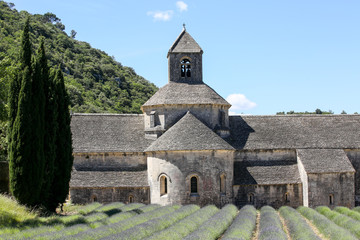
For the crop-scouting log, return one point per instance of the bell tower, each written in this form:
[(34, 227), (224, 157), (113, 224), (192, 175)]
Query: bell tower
[(185, 60)]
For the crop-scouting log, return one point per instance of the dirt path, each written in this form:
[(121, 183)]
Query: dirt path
[(316, 231), (284, 225), (256, 232)]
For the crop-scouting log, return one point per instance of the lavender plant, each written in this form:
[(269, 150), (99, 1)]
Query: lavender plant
[(148, 228), (342, 220), (123, 225), (297, 226), (185, 226), (270, 225), (89, 208), (350, 213), (216, 225), (327, 227), (243, 225)]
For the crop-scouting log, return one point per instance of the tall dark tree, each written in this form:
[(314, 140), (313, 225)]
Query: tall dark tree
[(24, 172), (46, 120), (63, 157)]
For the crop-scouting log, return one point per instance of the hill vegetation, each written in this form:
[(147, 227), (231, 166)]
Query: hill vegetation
[(95, 81)]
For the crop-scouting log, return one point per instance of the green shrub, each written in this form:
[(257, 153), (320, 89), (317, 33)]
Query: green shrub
[(216, 225), (327, 227), (243, 225), (296, 224), (186, 225)]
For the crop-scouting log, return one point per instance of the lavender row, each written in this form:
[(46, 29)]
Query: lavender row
[(342, 220), (123, 225), (296, 224), (327, 227), (243, 225), (185, 226), (216, 225), (270, 225), (148, 228), (350, 213)]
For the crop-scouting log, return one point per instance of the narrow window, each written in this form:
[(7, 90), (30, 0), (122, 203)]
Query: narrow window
[(93, 198), (185, 68), (163, 185), (222, 184), (331, 199), (222, 118), (131, 199), (152, 119), (251, 198), (287, 197), (194, 184)]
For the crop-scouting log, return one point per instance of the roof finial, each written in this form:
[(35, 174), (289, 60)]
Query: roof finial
[(184, 28)]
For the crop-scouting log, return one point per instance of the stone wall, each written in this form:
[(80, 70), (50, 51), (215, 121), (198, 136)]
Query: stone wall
[(339, 185), (4, 177), (180, 166), (167, 116), (272, 195), (354, 157), (174, 67), (109, 161), (106, 195)]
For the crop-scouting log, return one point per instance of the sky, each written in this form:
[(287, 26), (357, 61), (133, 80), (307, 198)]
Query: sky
[(262, 56)]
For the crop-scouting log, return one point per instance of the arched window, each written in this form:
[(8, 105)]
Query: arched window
[(93, 198), (331, 199), (251, 198), (185, 68), (287, 197), (131, 198), (193, 184), (163, 185), (222, 184)]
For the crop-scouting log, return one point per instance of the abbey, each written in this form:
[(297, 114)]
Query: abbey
[(186, 149)]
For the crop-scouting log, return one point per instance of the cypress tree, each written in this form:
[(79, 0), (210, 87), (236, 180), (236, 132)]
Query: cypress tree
[(24, 180), (63, 158), (25, 52), (44, 122)]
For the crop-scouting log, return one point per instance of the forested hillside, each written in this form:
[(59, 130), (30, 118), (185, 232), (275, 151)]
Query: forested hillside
[(94, 80)]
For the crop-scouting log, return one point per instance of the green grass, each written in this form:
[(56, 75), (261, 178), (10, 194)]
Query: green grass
[(12, 214)]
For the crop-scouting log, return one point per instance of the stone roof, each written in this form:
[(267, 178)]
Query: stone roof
[(108, 133), (189, 133), (108, 179), (185, 93), (325, 160), (266, 172), (185, 43), (295, 132)]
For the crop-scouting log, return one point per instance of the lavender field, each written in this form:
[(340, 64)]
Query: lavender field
[(139, 221)]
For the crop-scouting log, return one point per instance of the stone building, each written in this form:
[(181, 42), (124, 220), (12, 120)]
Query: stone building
[(185, 148)]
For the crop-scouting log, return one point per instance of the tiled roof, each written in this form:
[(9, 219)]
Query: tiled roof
[(185, 44), (189, 133), (325, 160), (108, 133), (295, 132), (266, 172), (185, 93), (108, 179)]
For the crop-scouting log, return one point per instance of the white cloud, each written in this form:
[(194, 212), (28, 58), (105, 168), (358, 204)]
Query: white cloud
[(239, 102), (161, 15), (181, 6)]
